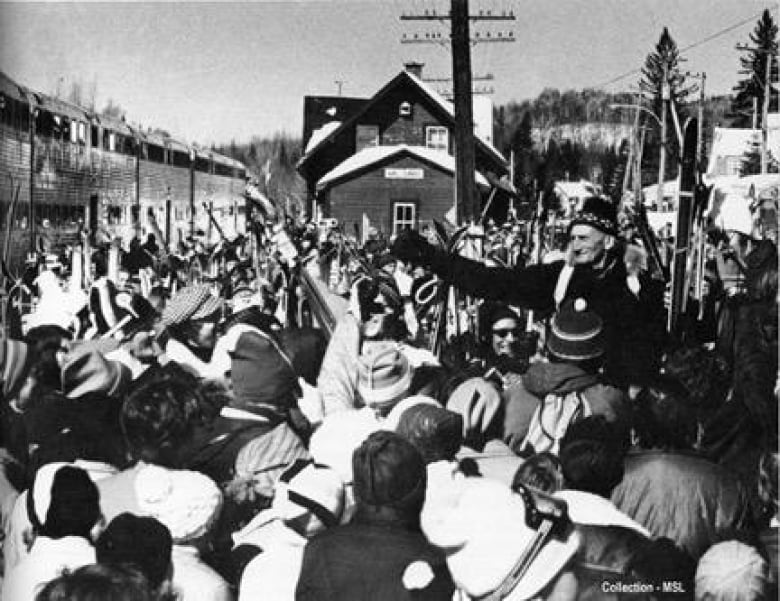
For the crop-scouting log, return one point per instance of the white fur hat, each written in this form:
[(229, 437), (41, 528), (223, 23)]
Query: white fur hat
[(333, 443), (485, 533)]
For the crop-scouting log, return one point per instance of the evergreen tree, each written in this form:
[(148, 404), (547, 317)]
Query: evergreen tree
[(753, 69), (525, 159), (665, 62), (665, 58)]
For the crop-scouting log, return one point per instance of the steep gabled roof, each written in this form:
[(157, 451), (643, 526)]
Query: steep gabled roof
[(446, 110), (376, 154)]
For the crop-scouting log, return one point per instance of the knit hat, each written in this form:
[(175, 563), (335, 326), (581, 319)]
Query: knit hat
[(190, 303), (389, 472), (90, 372), (14, 365), (142, 542), (434, 431), (598, 213), (309, 487), (733, 571), (187, 502), (262, 374), (576, 333), (484, 535), (384, 375)]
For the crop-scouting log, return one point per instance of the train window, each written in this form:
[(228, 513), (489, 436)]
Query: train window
[(181, 159), (156, 153), (44, 124)]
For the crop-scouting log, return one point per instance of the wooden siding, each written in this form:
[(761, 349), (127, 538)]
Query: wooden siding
[(373, 194)]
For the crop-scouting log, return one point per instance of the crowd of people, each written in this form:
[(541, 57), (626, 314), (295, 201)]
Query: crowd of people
[(170, 433)]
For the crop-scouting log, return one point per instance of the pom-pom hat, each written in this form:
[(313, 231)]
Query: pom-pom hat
[(576, 332)]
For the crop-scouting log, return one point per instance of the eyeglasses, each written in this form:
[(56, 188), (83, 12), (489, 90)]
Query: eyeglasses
[(504, 332)]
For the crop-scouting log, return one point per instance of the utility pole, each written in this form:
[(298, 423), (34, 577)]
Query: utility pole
[(665, 95), (467, 207), (340, 83), (460, 41)]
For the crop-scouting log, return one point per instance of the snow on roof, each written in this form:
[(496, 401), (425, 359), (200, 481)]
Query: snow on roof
[(374, 154), (319, 134), (447, 106)]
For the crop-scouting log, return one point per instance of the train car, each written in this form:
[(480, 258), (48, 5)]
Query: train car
[(76, 171)]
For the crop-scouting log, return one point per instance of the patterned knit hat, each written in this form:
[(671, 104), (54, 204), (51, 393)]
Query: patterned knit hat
[(384, 375), (576, 333), (187, 502), (598, 213), (190, 303), (14, 365)]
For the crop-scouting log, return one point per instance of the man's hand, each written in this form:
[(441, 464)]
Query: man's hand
[(411, 247)]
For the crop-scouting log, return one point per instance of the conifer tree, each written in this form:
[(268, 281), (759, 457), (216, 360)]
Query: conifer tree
[(763, 43), (666, 57)]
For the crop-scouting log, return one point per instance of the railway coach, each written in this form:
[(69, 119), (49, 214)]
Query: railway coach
[(65, 169)]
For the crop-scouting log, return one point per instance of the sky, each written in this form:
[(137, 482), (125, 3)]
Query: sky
[(220, 71)]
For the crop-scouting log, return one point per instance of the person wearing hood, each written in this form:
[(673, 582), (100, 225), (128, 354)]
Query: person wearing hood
[(627, 299), (575, 349)]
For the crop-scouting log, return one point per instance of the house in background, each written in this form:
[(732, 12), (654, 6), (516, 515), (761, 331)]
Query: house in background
[(729, 146), (388, 161)]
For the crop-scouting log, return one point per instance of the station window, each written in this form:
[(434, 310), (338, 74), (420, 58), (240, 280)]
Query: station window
[(95, 137), (437, 137), (404, 216), (366, 136), (82, 132)]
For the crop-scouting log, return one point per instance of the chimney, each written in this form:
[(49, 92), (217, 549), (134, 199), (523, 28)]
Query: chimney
[(414, 68)]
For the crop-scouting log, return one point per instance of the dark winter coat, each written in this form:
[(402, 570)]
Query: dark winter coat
[(684, 497), (541, 379), (366, 559), (633, 324)]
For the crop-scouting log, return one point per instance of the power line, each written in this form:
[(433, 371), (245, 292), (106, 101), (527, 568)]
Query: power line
[(696, 44)]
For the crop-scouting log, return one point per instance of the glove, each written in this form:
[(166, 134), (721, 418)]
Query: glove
[(409, 246)]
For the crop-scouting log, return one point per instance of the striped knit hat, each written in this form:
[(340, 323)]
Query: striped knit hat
[(14, 365), (576, 333)]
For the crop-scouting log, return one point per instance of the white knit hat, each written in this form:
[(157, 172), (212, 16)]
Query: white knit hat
[(485, 533), (187, 502), (333, 443)]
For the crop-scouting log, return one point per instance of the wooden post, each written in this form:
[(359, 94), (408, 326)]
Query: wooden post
[(466, 201)]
